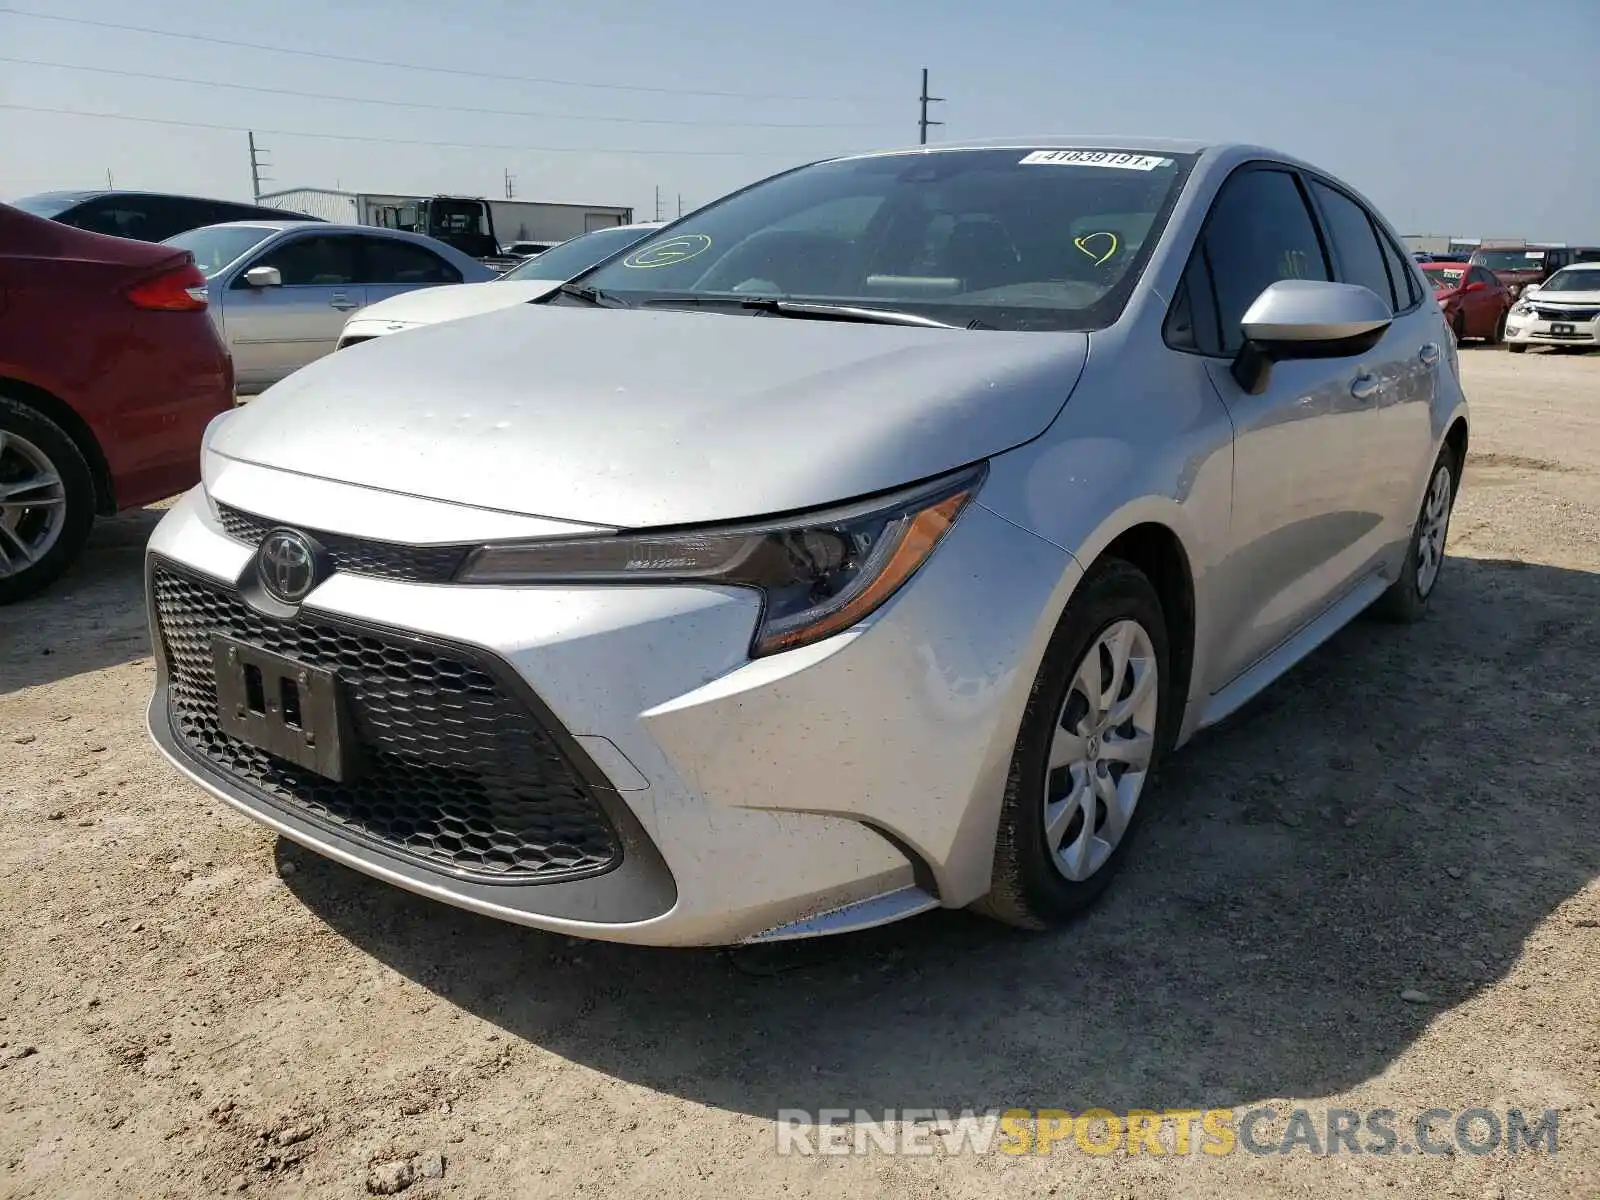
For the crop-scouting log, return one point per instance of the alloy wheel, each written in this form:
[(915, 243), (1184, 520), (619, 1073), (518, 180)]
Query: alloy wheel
[(1101, 749), (33, 504), (1432, 529)]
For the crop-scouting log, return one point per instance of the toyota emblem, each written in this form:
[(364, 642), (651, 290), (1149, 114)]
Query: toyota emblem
[(286, 565)]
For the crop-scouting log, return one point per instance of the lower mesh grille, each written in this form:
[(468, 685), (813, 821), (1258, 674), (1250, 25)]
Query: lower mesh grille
[(457, 773)]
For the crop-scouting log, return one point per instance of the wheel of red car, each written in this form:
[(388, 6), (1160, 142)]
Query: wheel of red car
[(1499, 334), (1458, 326), (46, 500)]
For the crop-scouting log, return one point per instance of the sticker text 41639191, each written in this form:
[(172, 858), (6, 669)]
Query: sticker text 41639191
[(1096, 158)]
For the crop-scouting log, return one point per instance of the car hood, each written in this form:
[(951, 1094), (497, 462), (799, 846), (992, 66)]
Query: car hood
[(429, 305), (637, 418), (1583, 299)]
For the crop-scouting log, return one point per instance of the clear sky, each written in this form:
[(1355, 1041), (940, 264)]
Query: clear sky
[(1454, 116)]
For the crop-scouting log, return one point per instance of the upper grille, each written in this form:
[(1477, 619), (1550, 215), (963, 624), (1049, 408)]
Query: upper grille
[(358, 556), (1576, 315), (457, 773)]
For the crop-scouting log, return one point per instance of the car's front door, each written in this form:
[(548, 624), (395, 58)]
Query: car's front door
[(273, 331), (1305, 505)]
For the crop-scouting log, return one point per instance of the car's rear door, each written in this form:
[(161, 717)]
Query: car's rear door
[(1304, 492), (389, 266), (275, 330), (1404, 363)]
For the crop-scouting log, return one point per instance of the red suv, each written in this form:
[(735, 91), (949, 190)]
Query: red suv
[(1475, 302), (110, 370)]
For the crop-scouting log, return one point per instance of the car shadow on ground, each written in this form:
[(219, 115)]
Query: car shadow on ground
[(90, 618), (1398, 813)]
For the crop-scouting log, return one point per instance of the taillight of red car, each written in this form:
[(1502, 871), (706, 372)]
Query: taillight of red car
[(180, 289)]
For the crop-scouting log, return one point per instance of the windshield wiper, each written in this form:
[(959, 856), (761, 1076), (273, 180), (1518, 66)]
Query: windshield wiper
[(591, 295), (809, 310)]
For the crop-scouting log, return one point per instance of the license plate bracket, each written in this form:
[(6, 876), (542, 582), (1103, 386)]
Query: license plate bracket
[(1563, 329), (288, 708)]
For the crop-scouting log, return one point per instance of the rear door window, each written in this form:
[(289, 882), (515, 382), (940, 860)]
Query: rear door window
[(1355, 245), (391, 261)]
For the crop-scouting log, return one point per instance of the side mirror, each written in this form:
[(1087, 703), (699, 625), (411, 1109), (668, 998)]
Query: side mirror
[(1307, 318), (1474, 286), (263, 277)]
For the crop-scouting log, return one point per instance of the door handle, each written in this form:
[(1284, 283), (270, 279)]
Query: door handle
[(1365, 387), (1429, 354), (342, 301)]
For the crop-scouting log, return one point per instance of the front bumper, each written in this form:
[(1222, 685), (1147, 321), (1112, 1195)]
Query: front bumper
[(840, 784), (1541, 328)]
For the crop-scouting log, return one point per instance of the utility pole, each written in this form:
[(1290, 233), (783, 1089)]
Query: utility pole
[(923, 123), (511, 185), (256, 163), (680, 204), (111, 184), (658, 202)]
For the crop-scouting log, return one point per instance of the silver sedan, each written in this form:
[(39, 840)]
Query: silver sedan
[(858, 545), (280, 291)]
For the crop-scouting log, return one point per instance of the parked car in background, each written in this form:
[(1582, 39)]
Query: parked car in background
[(857, 545), (1474, 301), (536, 277), (281, 290), (143, 216), (1562, 311), (528, 249), (109, 373), (1529, 266)]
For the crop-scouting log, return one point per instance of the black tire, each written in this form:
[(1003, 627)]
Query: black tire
[(1517, 347), (1498, 336), (1458, 326), (29, 424), (1406, 600), (1026, 889)]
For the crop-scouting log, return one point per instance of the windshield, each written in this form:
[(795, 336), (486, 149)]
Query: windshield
[(215, 246), (1573, 279), (1443, 278), (1510, 260), (47, 204), (578, 254), (1008, 239)]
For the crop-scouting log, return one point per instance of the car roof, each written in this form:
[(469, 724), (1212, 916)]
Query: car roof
[(97, 193)]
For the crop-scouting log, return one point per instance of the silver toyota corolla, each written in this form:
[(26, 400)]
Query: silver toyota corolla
[(854, 546)]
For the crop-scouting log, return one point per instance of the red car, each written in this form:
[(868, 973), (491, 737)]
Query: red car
[(110, 370), (1475, 302)]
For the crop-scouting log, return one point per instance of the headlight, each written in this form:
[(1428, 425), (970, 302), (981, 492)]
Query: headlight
[(818, 574), (1521, 308)]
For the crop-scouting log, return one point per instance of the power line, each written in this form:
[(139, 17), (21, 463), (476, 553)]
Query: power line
[(494, 112), (412, 66), (383, 141)]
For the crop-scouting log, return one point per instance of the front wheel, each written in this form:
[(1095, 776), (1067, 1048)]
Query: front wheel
[(1517, 347), (1407, 597), (46, 500), (1091, 736), (1499, 334)]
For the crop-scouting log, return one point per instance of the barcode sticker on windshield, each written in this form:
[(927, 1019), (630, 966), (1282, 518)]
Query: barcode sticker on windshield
[(1096, 158)]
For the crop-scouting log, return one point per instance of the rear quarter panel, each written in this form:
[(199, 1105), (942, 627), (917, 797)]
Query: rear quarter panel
[(144, 383)]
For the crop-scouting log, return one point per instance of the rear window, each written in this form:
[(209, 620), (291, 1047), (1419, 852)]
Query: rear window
[(1019, 238), (1510, 260), (48, 204)]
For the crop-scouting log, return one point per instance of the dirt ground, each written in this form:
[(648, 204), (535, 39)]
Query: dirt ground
[(189, 1007)]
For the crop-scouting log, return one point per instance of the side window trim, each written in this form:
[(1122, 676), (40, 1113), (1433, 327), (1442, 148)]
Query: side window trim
[(1199, 246)]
